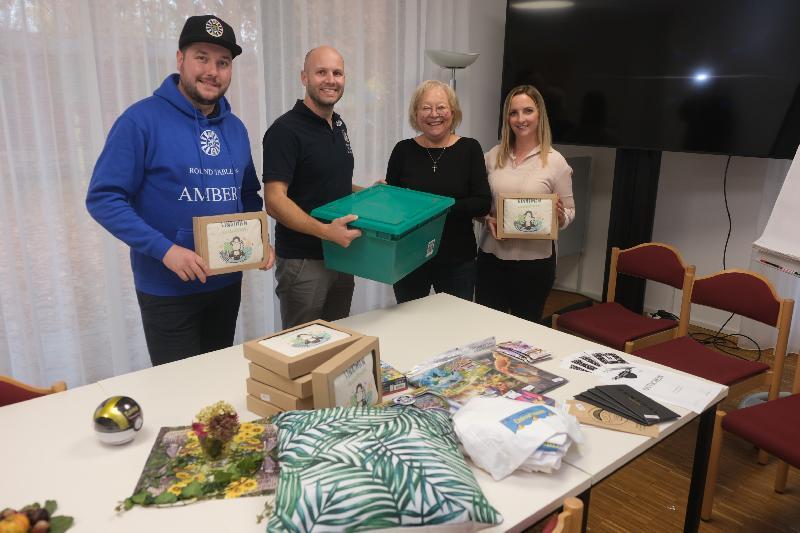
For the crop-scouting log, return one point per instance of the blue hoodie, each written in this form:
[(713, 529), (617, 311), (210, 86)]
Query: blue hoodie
[(164, 162)]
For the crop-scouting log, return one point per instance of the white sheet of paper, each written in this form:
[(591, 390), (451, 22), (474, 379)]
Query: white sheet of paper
[(234, 242), (663, 386), (298, 341)]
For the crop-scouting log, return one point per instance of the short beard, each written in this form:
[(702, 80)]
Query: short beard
[(194, 95), (323, 105)]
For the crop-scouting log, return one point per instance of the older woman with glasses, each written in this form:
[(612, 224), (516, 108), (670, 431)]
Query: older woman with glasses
[(439, 161)]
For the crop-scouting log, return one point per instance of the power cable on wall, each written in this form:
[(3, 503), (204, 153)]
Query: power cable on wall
[(717, 340)]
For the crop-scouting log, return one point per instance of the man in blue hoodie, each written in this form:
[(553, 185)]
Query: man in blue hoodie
[(178, 154)]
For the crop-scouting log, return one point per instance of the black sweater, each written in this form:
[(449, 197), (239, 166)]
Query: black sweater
[(460, 174)]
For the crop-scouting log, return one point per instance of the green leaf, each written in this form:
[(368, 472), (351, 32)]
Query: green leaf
[(59, 524), (50, 506), (139, 498), (192, 490), (165, 497), (249, 465), (223, 477), (233, 470), (128, 504)]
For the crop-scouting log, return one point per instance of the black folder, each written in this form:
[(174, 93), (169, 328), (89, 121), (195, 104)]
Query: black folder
[(627, 402)]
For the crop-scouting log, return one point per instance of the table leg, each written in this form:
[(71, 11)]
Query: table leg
[(584, 497), (702, 447)]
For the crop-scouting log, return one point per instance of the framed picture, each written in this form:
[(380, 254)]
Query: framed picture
[(351, 378), (527, 216), (231, 243), (299, 350)]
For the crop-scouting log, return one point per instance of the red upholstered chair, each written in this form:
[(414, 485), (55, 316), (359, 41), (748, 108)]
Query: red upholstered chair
[(569, 520), (744, 293), (773, 426), (612, 324), (13, 391)]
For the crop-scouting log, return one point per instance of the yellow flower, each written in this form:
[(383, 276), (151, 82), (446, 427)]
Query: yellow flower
[(239, 487), (177, 488), (182, 475)]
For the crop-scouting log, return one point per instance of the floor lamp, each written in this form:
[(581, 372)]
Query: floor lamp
[(451, 60)]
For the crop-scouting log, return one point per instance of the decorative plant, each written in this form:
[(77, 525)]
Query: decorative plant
[(215, 426)]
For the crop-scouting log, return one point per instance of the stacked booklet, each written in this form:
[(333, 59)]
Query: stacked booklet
[(627, 402)]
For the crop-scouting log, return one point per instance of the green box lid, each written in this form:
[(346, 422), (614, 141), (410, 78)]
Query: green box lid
[(386, 209)]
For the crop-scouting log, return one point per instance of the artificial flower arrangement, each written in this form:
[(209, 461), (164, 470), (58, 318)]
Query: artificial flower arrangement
[(215, 427), (215, 457)]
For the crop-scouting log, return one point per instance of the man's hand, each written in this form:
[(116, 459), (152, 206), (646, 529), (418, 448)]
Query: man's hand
[(185, 263), (338, 232), (270, 254)]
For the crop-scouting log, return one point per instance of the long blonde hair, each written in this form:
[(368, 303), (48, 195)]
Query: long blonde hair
[(507, 137)]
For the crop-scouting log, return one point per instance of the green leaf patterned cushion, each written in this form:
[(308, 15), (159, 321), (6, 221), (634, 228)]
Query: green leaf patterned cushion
[(356, 469)]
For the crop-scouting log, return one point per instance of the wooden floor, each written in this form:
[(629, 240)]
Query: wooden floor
[(649, 494)]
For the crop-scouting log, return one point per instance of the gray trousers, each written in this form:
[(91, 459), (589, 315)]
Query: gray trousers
[(308, 291)]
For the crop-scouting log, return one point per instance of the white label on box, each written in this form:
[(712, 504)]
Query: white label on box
[(298, 341), (265, 397), (431, 247), (235, 242), (355, 387), (527, 215)]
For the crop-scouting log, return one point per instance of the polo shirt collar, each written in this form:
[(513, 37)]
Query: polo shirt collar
[(303, 109)]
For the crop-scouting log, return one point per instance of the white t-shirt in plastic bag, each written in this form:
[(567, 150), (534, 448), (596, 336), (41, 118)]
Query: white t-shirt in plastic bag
[(501, 435)]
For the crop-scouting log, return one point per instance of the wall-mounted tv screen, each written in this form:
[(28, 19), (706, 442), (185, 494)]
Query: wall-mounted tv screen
[(714, 76)]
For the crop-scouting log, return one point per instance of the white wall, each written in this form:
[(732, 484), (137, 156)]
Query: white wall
[(690, 210)]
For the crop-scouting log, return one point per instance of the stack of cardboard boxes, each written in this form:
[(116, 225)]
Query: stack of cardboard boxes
[(281, 364)]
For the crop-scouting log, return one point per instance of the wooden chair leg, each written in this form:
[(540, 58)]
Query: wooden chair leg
[(763, 457), (713, 467), (554, 323), (780, 476), (629, 347)]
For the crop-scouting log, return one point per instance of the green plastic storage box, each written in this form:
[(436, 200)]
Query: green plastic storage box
[(400, 230)]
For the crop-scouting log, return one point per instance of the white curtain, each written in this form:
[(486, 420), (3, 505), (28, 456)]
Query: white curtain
[(67, 304)]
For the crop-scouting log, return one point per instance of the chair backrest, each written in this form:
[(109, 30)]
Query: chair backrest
[(13, 391), (569, 520), (752, 295), (654, 261)]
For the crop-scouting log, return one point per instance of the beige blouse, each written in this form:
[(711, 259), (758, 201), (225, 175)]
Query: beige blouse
[(527, 176)]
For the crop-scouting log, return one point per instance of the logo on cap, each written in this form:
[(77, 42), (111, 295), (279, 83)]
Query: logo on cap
[(209, 143), (214, 28)]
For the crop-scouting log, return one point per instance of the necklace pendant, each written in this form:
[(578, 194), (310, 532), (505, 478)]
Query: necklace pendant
[(434, 168)]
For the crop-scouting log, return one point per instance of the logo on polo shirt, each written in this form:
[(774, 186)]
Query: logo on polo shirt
[(209, 143), (347, 141), (214, 28)]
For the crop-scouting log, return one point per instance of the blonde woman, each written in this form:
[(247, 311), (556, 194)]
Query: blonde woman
[(516, 275), (441, 162)]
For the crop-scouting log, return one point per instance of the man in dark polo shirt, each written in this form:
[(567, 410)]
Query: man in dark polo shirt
[(308, 162)]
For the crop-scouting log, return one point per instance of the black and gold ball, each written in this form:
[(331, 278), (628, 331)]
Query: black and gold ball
[(117, 420)]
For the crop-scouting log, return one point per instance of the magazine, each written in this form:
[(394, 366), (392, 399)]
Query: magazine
[(463, 378), (539, 381)]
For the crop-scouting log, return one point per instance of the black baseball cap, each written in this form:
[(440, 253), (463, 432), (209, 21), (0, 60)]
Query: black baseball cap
[(209, 29)]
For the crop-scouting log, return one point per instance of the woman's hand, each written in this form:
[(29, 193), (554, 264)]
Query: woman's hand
[(562, 215), (492, 223)]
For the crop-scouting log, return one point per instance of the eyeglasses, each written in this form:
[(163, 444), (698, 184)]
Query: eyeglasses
[(440, 109)]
